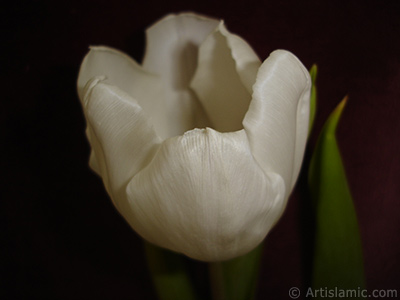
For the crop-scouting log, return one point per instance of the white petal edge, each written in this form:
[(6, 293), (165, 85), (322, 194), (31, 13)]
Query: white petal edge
[(172, 46), (119, 70), (205, 196), (121, 137), (147, 89), (226, 72), (277, 120), (246, 60)]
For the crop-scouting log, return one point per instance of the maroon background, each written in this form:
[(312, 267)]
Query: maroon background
[(62, 238)]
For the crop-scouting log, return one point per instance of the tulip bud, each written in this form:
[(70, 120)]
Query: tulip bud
[(200, 146)]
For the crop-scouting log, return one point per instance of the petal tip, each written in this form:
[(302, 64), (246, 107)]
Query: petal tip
[(90, 85)]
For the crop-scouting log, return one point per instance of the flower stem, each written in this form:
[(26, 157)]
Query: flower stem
[(170, 278), (217, 281), (236, 279)]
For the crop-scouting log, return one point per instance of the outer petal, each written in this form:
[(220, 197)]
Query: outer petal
[(277, 120), (226, 72), (205, 196), (122, 71), (172, 47), (121, 138)]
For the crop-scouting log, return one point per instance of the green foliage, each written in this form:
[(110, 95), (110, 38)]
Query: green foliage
[(338, 260), (313, 97)]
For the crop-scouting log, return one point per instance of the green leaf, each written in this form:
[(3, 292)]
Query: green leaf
[(236, 279), (169, 274), (313, 97), (338, 260)]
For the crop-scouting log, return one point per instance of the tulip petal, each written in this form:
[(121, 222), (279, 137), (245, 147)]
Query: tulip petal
[(172, 47), (246, 60), (278, 116), (121, 137), (204, 195), (226, 71), (147, 89), (120, 70)]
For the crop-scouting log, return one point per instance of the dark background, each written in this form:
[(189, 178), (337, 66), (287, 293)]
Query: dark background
[(61, 236)]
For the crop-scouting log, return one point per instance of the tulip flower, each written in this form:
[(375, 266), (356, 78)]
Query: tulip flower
[(200, 146)]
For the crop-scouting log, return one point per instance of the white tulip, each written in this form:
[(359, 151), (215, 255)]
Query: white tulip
[(200, 146)]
